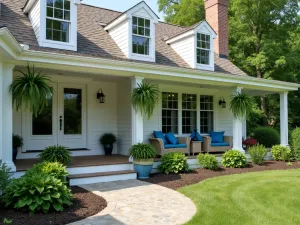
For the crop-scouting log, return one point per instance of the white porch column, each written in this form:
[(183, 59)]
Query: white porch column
[(136, 117), (6, 115), (284, 125), (238, 129)]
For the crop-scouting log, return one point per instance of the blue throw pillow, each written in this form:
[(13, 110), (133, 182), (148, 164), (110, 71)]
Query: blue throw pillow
[(159, 134), (171, 138), (198, 137), (195, 136), (217, 137)]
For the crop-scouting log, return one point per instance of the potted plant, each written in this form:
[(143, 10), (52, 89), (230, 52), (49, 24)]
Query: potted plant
[(17, 143), (107, 140), (241, 105), (143, 155), (145, 97)]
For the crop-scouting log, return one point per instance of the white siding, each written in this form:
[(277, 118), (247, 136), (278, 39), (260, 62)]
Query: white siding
[(185, 49), (124, 117), (142, 13), (120, 36), (34, 16)]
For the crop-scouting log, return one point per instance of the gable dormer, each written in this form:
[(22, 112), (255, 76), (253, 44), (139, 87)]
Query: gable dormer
[(196, 46), (54, 22), (134, 32)]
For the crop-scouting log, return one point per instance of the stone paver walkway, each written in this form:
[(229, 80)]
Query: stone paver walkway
[(134, 202)]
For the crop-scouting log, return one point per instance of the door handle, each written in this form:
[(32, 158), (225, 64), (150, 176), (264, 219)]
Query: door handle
[(60, 123)]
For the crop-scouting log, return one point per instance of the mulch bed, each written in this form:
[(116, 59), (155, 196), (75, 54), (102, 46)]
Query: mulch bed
[(175, 181), (85, 204)]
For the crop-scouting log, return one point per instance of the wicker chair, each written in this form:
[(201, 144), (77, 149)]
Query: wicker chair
[(208, 148), (158, 144)]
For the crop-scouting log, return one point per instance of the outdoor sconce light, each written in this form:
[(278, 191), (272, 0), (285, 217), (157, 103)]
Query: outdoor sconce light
[(100, 96), (222, 103)]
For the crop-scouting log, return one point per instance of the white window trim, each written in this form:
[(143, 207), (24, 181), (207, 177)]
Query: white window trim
[(211, 65), (72, 44), (179, 111), (191, 110)]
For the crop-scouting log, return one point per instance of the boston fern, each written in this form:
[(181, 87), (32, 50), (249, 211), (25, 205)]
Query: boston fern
[(56, 153), (145, 98), (142, 152), (241, 105), (31, 90)]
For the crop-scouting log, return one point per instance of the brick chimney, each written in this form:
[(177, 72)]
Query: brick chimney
[(217, 17)]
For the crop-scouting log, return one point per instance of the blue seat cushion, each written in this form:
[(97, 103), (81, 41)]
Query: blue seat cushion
[(171, 138), (217, 137), (195, 136), (160, 135), (175, 146), (223, 144)]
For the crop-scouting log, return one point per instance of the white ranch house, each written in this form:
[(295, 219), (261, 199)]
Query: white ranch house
[(84, 49)]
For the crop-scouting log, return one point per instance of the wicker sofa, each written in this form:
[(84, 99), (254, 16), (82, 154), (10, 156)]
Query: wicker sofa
[(158, 144), (211, 147)]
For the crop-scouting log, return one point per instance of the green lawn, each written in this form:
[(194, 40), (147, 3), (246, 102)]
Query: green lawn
[(261, 198)]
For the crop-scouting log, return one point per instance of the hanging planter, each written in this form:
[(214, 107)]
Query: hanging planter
[(30, 91), (145, 98), (241, 105)]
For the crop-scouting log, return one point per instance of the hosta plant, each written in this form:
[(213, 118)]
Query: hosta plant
[(173, 162), (56, 153), (37, 193), (234, 159), (145, 97), (31, 90)]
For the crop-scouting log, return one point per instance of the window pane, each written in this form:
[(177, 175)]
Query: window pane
[(67, 5), (134, 29), (142, 45), (49, 12), (202, 56), (56, 35), (141, 22), (170, 112), (58, 13), (141, 31), (49, 24), (56, 25), (49, 34), (147, 23), (58, 4), (206, 114), (42, 124), (147, 32), (50, 3), (67, 15), (64, 36)]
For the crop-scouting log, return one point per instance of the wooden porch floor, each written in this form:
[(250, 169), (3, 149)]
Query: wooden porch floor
[(78, 161)]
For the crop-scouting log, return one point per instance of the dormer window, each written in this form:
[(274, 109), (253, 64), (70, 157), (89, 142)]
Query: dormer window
[(203, 49), (140, 35), (58, 20)]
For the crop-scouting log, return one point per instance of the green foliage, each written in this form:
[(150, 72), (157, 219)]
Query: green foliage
[(173, 162), (241, 105), (54, 169), (208, 161), (142, 152), (5, 176), (234, 159), (145, 98), (56, 153), (258, 154), (30, 91), (266, 136), (281, 153), (108, 139), (295, 143), (7, 221), (256, 119), (17, 141), (37, 193)]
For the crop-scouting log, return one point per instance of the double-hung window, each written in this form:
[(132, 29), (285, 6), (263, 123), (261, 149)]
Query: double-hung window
[(203, 49), (189, 113), (140, 36), (169, 112), (58, 20), (206, 113)]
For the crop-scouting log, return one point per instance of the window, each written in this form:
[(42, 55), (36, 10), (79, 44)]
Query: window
[(189, 113), (58, 20), (169, 112), (203, 49), (206, 113), (141, 35)]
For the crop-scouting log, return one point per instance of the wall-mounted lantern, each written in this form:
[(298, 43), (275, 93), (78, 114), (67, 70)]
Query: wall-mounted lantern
[(100, 96), (222, 103)]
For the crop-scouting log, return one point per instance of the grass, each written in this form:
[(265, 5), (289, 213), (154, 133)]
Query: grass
[(268, 198)]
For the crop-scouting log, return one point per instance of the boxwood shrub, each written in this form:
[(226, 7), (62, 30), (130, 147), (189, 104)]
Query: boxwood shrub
[(266, 136), (173, 162), (234, 159), (208, 161)]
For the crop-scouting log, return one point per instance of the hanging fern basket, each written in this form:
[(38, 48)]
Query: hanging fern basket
[(241, 105), (31, 91), (145, 98)]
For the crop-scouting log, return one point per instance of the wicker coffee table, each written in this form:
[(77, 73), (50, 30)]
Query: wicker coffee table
[(196, 147)]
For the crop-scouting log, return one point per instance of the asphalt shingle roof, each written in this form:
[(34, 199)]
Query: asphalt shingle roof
[(94, 41)]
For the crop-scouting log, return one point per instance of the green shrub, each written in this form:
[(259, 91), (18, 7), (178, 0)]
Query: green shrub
[(266, 136), (5, 176), (54, 169), (37, 193), (173, 162), (208, 161), (142, 152), (295, 143), (281, 153), (56, 153), (257, 154), (234, 159)]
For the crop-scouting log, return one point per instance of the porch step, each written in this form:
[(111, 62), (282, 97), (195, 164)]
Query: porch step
[(91, 178)]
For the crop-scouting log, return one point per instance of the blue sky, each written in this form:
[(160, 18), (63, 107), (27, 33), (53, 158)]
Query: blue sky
[(123, 5)]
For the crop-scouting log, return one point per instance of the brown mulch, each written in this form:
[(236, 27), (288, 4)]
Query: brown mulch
[(85, 204), (175, 181)]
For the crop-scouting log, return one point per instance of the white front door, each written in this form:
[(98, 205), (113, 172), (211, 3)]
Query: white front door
[(62, 122)]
